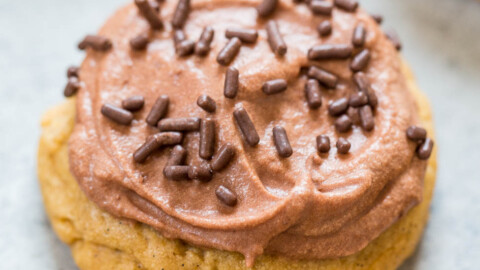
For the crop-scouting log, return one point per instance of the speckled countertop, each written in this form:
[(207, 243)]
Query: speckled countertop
[(441, 41)]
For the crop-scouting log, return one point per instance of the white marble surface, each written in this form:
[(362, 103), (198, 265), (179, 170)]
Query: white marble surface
[(37, 43)]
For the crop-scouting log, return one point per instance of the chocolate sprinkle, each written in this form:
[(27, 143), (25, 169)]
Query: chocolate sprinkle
[(281, 142), (154, 142), (246, 126), (361, 60), (223, 157), (313, 94), (207, 103), (118, 115), (347, 5), (231, 83), (394, 38), (275, 39), (361, 81), (324, 28), (184, 48), (226, 196), (377, 17), (203, 45), (323, 144), (324, 77), (207, 138), (179, 124), (359, 34), (169, 138), (202, 172), (228, 53), (158, 111), (149, 13), (176, 172), (343, 146), (140, 42), (424, 150), (358, 100), (73, 71), (366, 118), (97, 43), (416, 134), (267, 7), (133, 103), (274, 86), (150, 145), (321, 7), (372, 98), (363, 85), (181, 13), (330, 51), (338, 107), (177, 156), (343, 123), (245, 35), (72, 87)]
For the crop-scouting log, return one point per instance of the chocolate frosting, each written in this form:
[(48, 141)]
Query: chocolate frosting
[(308, 206)]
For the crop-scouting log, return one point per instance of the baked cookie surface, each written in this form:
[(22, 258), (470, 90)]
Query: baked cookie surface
[(101, 241)]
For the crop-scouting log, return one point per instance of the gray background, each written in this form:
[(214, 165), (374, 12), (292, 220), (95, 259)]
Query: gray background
[(38, 41)]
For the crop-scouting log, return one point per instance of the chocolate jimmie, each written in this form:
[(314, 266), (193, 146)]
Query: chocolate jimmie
[(275, 39), (246, 126), (133, 103), (424, 145), (159, 110), (179, 124), (325, 27), (116, 114), (207, 103), (202, 172), (97, 43), (274, 86), (140, 42), (231, 83), (150, 14), (267, 7), (359, 34), (202, 47), (228, 53), (321, 7), (324, 77), (72, 86), (226, 196), (323, 143), (154, 142), (281, 142), (313, 94), (245, 35), (177, 156), (330, 51), (223, 157), (181, 13), (207, 138)]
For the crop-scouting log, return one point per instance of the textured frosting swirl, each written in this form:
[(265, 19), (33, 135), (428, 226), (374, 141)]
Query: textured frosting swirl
[(307, 206)]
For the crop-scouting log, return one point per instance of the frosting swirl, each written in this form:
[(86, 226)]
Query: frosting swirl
[(311, 205)]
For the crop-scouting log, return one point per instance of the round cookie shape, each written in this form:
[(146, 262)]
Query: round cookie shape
[(315, 204)]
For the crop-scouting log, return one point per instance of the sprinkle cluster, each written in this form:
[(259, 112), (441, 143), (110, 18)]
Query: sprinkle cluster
[(172, 130)]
